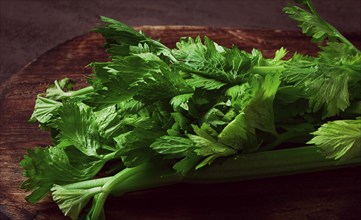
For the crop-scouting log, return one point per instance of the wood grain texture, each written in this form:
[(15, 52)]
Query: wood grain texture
[(325, 195)]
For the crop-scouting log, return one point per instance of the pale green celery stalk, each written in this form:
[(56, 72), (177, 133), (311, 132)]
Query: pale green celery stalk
[(268, 164), (240, 167), (129, 179), (88, 183), (79, 92)]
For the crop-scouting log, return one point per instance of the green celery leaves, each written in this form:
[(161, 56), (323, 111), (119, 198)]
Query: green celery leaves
[(339, 139), (153, 115), (45, 167)]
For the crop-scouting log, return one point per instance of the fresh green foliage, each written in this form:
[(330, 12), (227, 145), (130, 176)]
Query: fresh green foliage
[(45, 109), (52, 165), (313, 25), (72, 201), (339, 139), (122, 40), (153, 115)]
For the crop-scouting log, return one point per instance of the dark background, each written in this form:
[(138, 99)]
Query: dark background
[(31, 27)]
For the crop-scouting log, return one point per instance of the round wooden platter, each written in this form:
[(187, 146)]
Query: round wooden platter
[(334, 194)]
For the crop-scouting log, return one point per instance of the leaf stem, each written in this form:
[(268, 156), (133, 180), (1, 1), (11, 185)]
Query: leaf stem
[(263, 70), (98, 208), (283, 138), (336, 33), (79, 92), (88, 183), (109, 156)]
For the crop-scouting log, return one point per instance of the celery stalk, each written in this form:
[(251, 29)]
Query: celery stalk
[(268, 164)]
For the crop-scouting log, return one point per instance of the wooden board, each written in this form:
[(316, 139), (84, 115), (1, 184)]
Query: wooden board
[(325, 195)]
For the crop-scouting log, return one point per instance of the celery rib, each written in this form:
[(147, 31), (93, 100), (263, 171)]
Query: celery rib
[(267, 164)]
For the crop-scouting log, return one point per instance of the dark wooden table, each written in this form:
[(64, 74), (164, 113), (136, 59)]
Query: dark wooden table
[(328, 195)]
